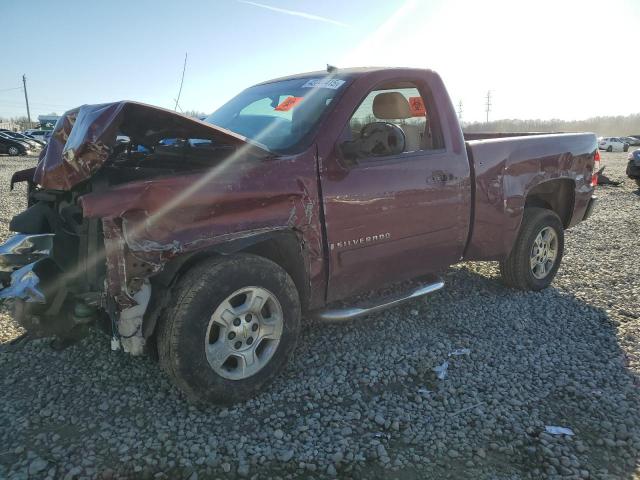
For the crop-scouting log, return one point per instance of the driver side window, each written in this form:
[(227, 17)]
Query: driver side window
[(389, 121)]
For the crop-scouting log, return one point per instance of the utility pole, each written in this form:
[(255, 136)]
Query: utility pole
[(26, 98), (460, 110), (488, 104)]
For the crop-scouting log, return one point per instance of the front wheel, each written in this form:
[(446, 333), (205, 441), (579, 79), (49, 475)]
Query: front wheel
[(537, 253), (13, 151), (234, 323), (609, 148), (638, 182)]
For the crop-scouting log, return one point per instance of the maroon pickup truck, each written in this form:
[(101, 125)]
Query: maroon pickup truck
[(207, 241)]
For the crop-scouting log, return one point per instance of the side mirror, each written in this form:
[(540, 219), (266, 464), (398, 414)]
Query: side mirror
[(348, 153)]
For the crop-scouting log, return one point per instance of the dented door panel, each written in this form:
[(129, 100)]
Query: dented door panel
[(394, 218)]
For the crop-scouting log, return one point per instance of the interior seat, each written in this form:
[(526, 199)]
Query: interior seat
[(394, 106)]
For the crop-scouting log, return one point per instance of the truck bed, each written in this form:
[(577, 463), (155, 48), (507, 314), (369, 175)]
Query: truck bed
[(488, 135), (508, 167)]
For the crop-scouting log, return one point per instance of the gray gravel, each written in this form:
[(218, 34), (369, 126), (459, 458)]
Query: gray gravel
[(362, 400)]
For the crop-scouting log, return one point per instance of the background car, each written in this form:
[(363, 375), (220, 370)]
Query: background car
[(633, 167), (612, 144), (13, 146), (632, 141), (35, 144)]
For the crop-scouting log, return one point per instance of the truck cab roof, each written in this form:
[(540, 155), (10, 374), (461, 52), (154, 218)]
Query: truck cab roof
[(344, 73)]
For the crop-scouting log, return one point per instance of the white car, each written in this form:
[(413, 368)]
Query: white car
[(612, 144), (42, 135)]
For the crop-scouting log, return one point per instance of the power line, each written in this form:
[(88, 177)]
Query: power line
[(8, 89)]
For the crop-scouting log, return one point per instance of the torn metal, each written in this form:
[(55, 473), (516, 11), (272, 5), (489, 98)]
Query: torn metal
[(20, 250), (25, 285), (22, 258)]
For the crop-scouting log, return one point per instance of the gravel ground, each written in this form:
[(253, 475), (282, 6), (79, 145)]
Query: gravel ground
[(362, 400)]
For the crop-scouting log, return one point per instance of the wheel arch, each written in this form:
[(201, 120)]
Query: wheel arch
[(557, 195), (283, 247)]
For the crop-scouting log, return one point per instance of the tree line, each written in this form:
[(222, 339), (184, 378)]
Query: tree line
[(602, 126)]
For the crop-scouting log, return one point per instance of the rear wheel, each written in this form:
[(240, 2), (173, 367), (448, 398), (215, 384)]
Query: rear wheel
[(537, 253), (234, 323)]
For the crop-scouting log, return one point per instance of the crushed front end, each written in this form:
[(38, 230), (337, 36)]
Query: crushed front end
[(63, 272), (111, 225), (82, 252)]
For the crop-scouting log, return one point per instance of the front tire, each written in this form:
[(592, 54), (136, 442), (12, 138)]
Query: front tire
[(234, 323), (13, 151), (609, 148), (537, 253), (638, 182)]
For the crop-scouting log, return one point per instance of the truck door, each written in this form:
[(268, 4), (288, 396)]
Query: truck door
[(396, 197)]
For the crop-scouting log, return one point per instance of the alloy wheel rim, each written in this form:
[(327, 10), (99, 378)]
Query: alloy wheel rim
[(244, 333), (544, 252)]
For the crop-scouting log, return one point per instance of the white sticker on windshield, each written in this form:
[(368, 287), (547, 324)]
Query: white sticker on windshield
[(331, 83)]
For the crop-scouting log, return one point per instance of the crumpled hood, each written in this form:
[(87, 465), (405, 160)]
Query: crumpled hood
[(82, 139)]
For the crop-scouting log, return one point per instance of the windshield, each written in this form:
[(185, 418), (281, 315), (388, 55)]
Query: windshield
[(279, 115)]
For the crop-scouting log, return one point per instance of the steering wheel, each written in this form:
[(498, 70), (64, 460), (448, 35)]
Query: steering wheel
[(381, 138)]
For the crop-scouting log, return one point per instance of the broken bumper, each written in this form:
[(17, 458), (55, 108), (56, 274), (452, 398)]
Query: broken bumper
[(35, 284), (25, 284), (25, 264)]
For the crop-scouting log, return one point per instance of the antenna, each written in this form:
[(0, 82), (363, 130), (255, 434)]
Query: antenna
[(460, 110), (184, 67), (488, 104), (331, 68)]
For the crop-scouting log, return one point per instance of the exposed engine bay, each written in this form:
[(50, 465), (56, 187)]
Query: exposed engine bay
[(71, 265), (131, 162)]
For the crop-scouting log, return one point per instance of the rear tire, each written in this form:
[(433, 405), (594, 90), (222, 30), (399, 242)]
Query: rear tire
[(219, 313), (537, 253)]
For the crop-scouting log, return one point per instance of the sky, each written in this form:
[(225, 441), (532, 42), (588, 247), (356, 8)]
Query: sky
[(567, 59)]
